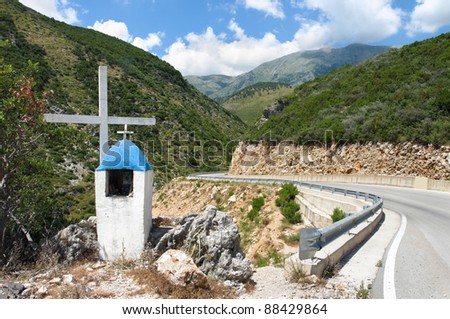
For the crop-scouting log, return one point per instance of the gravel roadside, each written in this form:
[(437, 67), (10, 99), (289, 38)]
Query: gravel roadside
[(353, 279)]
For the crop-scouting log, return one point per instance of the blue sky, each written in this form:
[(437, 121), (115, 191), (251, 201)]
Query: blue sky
[(201, 37)]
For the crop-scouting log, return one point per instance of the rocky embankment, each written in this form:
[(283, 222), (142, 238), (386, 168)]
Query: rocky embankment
[(185, 253), (406, 159)]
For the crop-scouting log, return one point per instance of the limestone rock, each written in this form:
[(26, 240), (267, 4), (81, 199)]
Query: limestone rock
[(181, 270), (75, 242), (232, 199), (67, 279), (213, 241), (11, 290), (55, 281), (403, 159), (42, 291)]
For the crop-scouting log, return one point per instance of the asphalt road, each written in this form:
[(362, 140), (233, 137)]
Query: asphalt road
[(418, 259), (422, 261)]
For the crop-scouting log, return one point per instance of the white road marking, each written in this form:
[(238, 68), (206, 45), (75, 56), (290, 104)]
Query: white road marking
[(389, 270)]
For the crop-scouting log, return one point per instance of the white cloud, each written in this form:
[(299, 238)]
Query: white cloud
[(273, 8), (428, 16), (152, 40), (350, 21), (61, 10), (344, 21), (239, 33), (120, 30), (113, 28), (209, 53)]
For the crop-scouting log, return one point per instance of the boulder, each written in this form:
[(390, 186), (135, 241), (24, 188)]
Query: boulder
[(11, 290), (212, 240), (75, 242), (181, 270)]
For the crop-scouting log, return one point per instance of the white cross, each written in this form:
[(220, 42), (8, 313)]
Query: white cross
[(103, 119), (125, 132)]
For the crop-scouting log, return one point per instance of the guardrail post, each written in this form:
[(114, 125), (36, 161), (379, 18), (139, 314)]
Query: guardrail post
[(309, 242)]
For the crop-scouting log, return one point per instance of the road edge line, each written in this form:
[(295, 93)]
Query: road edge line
[(389, 270)]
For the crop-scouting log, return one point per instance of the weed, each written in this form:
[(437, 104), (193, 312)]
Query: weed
[(253, 215), (292, 238), (245, 229), (330, 270), (47, 258), (257, 203), (77, 291), (261, 261), (379, 264), (123, 262), (147, 257), (218, 199), (363, 292), (296, 272), (273, 258)]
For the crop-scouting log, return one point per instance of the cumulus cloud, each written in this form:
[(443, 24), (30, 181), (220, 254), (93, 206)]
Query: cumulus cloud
[(210, 53), (428, 16), (120, 30), (272, 8), (113, 28), (152, 40), (350, 21), (61, 10), (344, 21)]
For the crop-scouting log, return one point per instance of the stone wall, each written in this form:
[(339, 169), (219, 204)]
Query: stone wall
[(406, 159)]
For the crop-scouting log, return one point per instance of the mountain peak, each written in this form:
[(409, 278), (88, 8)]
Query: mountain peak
[(292, 69)]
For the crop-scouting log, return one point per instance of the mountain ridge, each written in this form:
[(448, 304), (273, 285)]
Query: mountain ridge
[(292, 69), (399, 96)]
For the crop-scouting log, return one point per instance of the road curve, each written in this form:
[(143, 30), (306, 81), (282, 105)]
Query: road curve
[(422, 261), (422, 257)]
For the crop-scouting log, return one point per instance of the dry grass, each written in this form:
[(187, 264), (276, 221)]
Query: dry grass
[(77, 291), (155, 283), (102, 294)]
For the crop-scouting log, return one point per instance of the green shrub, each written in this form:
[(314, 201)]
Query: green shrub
[(291, 211), (337, 215), (287, 194), (286, 201), (253, 214), (257, 203)]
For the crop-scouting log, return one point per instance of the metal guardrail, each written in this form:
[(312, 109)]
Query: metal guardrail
[(313, 239)]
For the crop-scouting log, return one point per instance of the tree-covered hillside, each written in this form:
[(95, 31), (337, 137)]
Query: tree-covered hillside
[(40, 55), (400, 95), (139, 83), (250, 102)]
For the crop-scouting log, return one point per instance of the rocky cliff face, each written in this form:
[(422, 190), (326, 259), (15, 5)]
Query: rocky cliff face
[(406, 159), (274, 109)]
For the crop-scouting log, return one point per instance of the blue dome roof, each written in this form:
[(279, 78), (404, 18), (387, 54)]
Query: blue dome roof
[(124, 155)]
